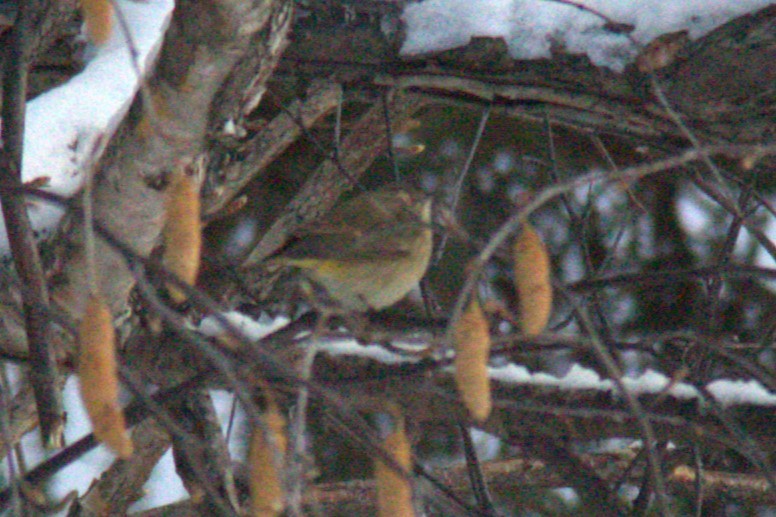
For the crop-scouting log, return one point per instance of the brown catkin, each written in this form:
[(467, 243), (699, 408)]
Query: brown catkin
[(266, 462), (532, 281), (182, 231), (97, 373), (472, 351), (394, 491), (98, 15)]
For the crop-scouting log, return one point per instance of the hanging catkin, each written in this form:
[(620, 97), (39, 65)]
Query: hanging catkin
[(266, 462), (182, 231), (394, 490), (98, 377), (472, 351), (532, 281)]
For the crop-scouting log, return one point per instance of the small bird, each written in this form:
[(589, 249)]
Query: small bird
[(367, 253)]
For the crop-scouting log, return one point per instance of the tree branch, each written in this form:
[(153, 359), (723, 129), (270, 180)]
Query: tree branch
[(35, 299)]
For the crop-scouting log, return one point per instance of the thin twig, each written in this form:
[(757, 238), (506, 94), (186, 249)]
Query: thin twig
[(650, 442), (474, 469), (726, 203), (750, 449), (88, 219), (5, 412), (698, 465), (578, 222), (389, 136), (145, 93), (164, 416), (35, 298), (457, 188), (337, 124), (295, 473), (658, 277)]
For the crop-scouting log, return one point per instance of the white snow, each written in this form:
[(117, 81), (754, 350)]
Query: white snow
[(731, 392), (650, 382), (252, 329), (351, 347), (66, 127), (531, 27), (725, 392)]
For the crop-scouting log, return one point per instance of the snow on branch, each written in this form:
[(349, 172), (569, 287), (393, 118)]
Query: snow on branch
[(67, 127), (532, 28), (727, 392)]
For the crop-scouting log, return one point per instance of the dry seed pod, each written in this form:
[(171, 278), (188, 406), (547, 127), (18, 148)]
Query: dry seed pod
[(532, 281), (98, 15), (265, 458), (182, 231), (472, 351), (394, 491), (97, 373)]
